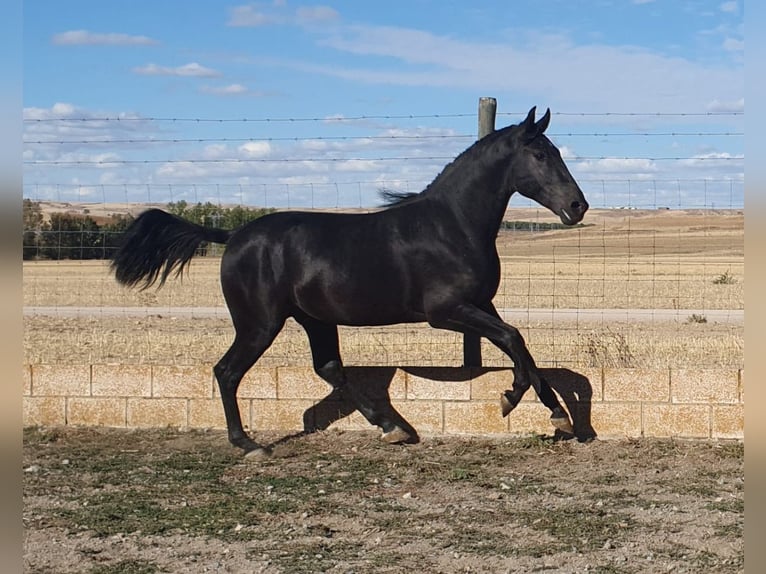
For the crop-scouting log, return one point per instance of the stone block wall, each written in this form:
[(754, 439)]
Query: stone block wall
[(610, 403)]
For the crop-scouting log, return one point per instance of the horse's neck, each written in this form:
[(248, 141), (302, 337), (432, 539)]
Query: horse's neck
[(475, 194)]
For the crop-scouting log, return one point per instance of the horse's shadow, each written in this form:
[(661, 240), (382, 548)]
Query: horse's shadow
[(574, 388)]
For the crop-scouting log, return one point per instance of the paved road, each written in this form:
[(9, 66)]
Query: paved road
[(510, 315)]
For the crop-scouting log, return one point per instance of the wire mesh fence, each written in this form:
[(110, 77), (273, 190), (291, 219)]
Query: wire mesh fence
[(628, 288), (653, 277)]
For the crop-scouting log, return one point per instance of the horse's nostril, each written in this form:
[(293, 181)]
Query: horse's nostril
[(580, 207)]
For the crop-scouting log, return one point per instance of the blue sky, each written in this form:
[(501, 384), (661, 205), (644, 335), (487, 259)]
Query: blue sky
[(345, 97)]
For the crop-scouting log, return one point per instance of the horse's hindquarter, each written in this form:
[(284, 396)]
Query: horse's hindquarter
[(367, 269)]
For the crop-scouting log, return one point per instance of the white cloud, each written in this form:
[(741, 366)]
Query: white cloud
[(63, 110), (535, 65), (709, 159), (86, 38), (183, 170), (358, 166), (255, 149), (725, 107), (248, 16), (215, 151), (192, 69), (58, 110), (316, 14), (729, 7), (616, 166), (230, 90), (566, 153), (733, 45), (97, 160)]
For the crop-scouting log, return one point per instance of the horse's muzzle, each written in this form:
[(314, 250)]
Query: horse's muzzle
[(573, 213)]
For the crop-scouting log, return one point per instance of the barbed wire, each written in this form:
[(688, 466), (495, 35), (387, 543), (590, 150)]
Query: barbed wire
[(347, 159), (32, 188), (330, 119), (362, 138), (357, 181)]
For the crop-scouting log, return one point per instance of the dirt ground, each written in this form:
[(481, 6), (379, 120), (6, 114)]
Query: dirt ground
[(140, 502)]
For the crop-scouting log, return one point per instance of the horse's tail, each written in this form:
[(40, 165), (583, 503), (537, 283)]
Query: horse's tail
[(157, 243)]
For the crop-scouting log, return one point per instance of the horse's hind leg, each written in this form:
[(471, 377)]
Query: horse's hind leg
[(325, 351), (247, 348)]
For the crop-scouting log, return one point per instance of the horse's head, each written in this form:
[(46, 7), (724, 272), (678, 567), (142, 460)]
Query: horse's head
[(538, 172)]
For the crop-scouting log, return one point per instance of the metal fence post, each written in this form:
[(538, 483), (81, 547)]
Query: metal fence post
[(487, 112)]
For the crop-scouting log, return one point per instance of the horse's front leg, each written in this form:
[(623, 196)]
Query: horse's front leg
[(510, 399), (486, 322)]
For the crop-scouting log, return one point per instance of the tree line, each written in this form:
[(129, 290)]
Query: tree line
[(535, 226), (80, 236)]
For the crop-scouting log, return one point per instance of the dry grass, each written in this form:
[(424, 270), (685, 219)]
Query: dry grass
[(163, 341), (639, 260)]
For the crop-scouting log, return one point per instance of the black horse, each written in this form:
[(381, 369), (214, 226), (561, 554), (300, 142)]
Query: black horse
[(429, 256)]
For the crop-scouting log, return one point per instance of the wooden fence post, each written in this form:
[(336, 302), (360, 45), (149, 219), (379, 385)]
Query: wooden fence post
[(472, 343)]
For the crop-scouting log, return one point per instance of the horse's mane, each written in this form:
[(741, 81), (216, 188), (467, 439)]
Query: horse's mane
[(392, 198)]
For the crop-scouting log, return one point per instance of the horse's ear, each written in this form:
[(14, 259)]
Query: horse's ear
[(529, 122), (533, 129), (542, 125)]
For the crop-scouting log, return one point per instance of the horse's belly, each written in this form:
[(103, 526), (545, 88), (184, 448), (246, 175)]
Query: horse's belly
[(362, 312)]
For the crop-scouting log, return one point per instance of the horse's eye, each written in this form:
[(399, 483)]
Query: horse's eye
[(540, 156)]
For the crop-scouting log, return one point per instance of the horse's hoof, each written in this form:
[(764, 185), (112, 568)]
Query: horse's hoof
[(396, 436), (505, 405), (258, 453), (563, 424)]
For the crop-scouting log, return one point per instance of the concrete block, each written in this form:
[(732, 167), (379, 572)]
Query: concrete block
[(637, 385), (704, 386), (300, 383), (61, 380), (207, 414), (92, 411), (529, 418), (582, 385), (475, 417), (279, 415), (258, 383), (182, 381), (596, 379), (616, 419), (676, 420), (157, 413), (439, 383), (379, 380), (353, 422), (425, 416), (728, 421), (489, 384), (26, 380), (44, 411), (117, 380)]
